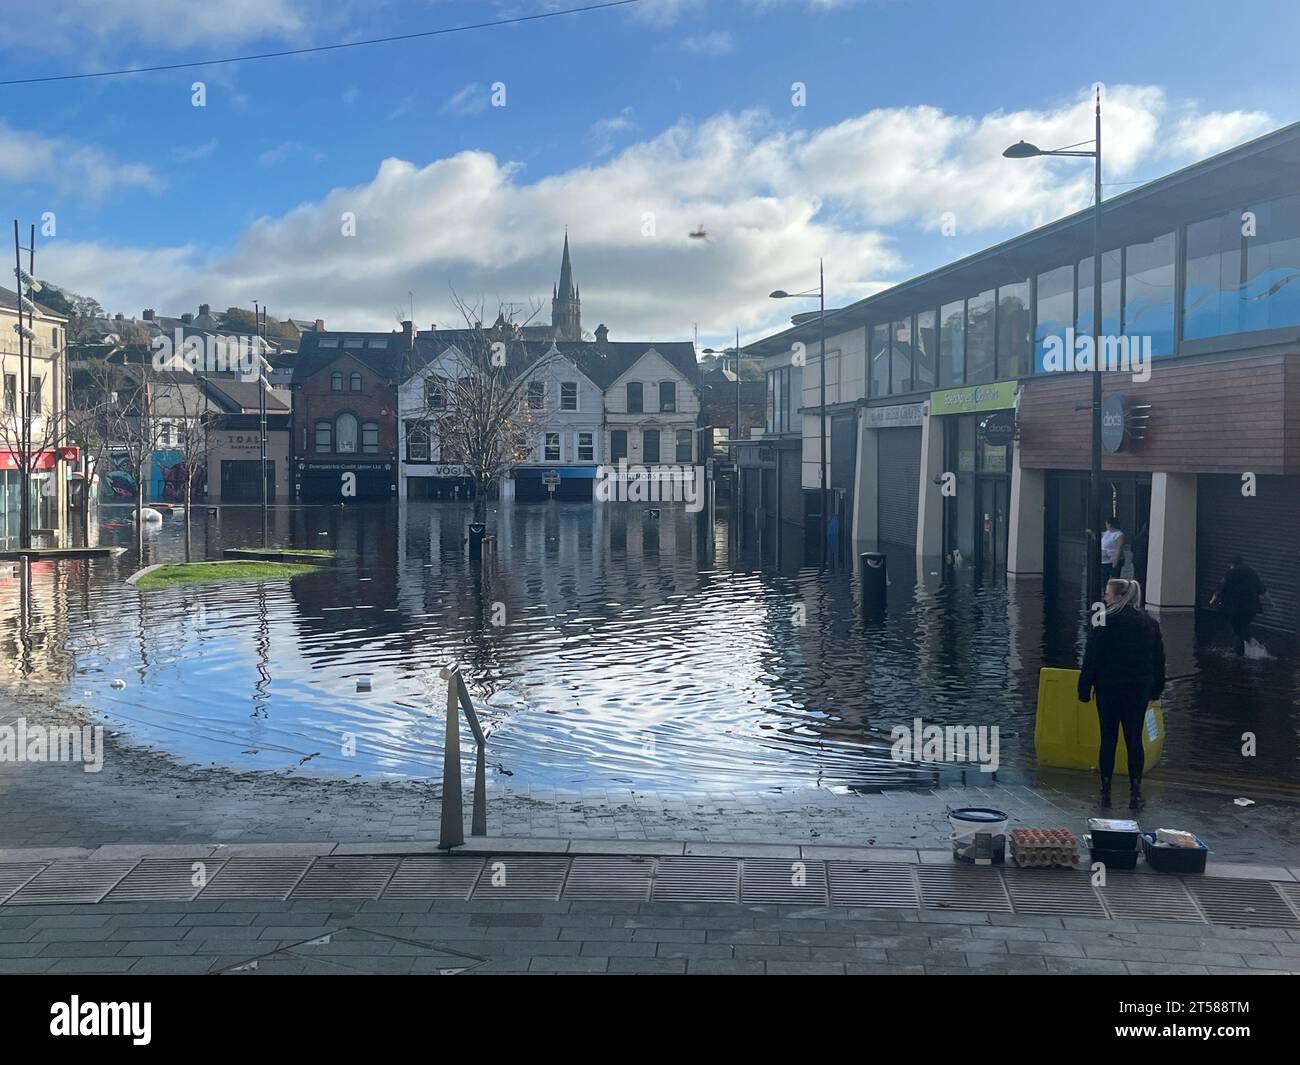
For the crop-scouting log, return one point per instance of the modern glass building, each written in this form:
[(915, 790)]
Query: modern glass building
[(964, 375)]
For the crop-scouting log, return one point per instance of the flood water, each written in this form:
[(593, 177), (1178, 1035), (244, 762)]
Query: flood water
[(605, 647)]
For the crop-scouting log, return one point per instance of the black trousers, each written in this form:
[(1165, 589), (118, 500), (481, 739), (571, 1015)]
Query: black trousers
[(1122, 706), (1240, 623)]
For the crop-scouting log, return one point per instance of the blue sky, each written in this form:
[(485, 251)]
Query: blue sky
[(633, 126)]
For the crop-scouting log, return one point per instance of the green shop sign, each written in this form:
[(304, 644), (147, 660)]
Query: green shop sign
[(999, 396)]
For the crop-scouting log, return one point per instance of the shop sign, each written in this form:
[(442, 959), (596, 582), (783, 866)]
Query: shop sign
[(1114, 423), (898, 416), (999, 428), (972, 398)]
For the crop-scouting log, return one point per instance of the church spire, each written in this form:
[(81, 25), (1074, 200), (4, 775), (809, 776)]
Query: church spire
[(566, 308)]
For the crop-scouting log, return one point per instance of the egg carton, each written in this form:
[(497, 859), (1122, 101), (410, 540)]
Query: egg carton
[(1045, 848)]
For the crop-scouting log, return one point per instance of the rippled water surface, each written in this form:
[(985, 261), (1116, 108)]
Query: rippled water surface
[(606, 646)]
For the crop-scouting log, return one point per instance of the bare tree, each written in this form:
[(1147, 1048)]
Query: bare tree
[(192, 413), (136, 434), (475, 403), (93, 397)]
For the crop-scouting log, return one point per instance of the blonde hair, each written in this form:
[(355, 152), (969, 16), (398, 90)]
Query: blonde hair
[(1127, 592)]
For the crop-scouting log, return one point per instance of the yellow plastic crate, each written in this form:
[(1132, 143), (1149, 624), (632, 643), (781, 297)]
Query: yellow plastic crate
[(1067, 732)]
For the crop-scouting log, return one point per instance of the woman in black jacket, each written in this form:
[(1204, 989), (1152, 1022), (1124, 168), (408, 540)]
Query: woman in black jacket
[(1124, 661)]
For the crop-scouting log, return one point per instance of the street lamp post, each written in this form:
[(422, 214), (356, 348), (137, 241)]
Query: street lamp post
[(820, 293), (1022, 150)]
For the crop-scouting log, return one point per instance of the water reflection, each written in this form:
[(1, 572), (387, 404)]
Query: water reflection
[(607, 645)]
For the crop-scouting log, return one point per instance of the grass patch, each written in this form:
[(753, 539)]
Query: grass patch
[(242, 570)]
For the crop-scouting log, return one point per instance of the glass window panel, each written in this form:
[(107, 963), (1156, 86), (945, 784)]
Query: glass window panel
[(794, 399), (569, 395), (900, 374), (1271, 296), (1110, 271), (878, 359), (667, 397), (650, 445), (370, 438), (1055, 309), (345, 433), (586, 447), (1015, 323), (683, 445), (925, 349), (952, 343), (1149, 292), (981, 314), (1211, 305), (324, 436), (634, 397), (552, 453)]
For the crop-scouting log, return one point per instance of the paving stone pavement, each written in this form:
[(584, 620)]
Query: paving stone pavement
[(452, 938)]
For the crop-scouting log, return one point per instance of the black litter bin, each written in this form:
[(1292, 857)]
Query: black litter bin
[(875, 579), (477, 530)]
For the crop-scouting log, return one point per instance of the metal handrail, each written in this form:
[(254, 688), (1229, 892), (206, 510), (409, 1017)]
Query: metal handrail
[(452, 832)]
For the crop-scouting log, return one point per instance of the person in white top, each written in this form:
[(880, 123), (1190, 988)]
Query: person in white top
[(1112, 550)]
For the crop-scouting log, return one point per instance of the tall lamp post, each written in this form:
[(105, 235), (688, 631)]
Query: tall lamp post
[(724, 352), (820, 293), (1022, 150)]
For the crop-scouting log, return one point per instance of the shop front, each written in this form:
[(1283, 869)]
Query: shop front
[(346, 482), (979, 428), (889, 477), (1199, 465), (48, 475), (572, 484)]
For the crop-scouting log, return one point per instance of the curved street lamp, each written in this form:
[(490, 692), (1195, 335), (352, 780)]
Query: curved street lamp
[(820, 293), (1025, 150)]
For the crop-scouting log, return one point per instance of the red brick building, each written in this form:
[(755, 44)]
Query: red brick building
[(344, 446)]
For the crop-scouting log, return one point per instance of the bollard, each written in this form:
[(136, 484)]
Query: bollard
[(874, 582)]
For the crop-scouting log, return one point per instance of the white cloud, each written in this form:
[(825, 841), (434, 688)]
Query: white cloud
[(718, 42), (282, 153), (771, 197), (471, 100), (351, 96), (1199, 135), (604, 131), (69, 167), (191, 154), (67, 25)]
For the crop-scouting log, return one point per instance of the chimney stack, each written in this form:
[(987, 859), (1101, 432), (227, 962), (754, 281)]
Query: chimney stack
[(320, 325), (602, 338), (148, 314), (187, 318), (205, 308), (408, 335)]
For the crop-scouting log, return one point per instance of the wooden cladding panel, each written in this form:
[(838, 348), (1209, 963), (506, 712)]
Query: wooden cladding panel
[(1223, 416)]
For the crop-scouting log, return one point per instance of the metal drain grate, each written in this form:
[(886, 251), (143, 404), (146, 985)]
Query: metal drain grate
[(956, 888), (72, 881), (1245, 903), (158, 880), (1141, 896), (346, 878), (434, 878), (256, 878), (780, 880), (872, 884), (1290, 892), (12, 877), (697, 880), (1052, 893), (522, 876), (597, 877)]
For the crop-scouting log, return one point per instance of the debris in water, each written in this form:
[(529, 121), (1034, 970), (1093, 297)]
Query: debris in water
[(363, 685), (119, 684), (1244, 802)]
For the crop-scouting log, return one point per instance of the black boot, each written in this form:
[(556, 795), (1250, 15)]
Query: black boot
[(1103, 798), (1135, 800)]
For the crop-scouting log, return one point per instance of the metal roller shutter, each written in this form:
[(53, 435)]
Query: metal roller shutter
[(1264, 530), (898, 479)]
